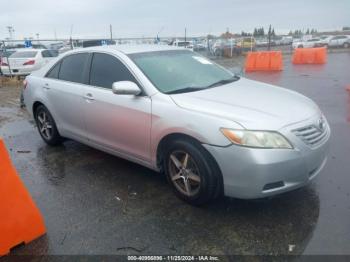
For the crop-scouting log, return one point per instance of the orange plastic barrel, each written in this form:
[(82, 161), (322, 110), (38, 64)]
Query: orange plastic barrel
[(317, 55), (264, 61)]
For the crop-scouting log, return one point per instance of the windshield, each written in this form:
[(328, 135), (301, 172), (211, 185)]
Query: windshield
[(27, 54), (178, 71)]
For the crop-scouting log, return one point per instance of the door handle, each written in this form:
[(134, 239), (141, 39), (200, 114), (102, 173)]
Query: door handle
[(89, 97), (46, 86)]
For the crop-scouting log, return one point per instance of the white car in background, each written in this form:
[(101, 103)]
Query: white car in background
[(324, 40), (185, 44), (306, 44), (25, 61), (287, 40), (339, 41)]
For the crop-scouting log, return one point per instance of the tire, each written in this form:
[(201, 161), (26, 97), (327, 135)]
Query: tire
[(346, 45), (47, 127), (300, 46), (200, 164)]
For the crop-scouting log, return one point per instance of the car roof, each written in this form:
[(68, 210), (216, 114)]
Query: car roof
[(132, 49)]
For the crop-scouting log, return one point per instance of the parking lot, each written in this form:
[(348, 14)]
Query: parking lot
[(95, 203)]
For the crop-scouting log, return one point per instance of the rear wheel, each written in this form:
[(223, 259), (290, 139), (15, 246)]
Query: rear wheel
[(47, 126), (346, 45), (192, 172)]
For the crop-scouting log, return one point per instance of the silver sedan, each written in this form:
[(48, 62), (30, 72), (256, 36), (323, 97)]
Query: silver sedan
[(211, 132)]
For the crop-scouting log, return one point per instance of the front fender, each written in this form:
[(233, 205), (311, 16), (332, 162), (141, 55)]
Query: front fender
[(168, 118)]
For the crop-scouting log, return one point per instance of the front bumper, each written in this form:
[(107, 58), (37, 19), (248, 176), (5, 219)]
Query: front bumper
[(251, 173)]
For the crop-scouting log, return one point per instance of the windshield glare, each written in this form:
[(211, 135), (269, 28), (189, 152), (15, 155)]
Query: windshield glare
[(174, 70)]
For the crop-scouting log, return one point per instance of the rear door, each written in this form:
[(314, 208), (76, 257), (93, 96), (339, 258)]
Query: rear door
[(121, 123), (63, 87)]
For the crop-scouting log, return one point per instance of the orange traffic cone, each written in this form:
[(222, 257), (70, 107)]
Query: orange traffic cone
[(20, 219)]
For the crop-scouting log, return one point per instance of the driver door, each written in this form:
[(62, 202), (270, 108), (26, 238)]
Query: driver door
[(118, 123)]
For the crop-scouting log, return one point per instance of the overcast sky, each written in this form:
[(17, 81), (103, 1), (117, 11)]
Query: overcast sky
[(138, 18)]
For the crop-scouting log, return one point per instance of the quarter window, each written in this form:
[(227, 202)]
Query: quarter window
[(49, 53), (107, 69), (73, 67), (53, 73)]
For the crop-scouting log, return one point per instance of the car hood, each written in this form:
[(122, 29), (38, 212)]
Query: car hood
[(252, 104)]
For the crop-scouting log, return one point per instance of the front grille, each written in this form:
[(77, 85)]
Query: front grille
[(311, 135)]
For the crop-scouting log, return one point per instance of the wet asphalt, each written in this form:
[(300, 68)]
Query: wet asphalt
[(95, 203)]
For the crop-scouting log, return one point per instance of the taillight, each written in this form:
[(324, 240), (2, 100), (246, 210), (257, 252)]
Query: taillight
[(25, 84), (4, 64), (30, 62)]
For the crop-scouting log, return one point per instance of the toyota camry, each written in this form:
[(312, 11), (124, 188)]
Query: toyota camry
[(208, 130)]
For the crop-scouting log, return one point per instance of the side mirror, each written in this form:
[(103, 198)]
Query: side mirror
[(125, 88)]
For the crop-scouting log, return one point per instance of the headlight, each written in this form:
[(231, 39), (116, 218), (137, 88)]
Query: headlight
[(261, 139)]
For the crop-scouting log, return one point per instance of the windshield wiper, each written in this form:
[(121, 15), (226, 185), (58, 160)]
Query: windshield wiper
[(185, 90), (197, 88), (224, 81)]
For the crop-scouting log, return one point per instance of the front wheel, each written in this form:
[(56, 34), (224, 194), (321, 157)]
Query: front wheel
[(47, 126), (192, 172)]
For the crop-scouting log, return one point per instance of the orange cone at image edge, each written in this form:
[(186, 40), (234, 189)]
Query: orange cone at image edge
[(20, 219)]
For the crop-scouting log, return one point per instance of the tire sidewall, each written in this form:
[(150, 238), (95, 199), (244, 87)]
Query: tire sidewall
[(207, 171), (56, 138)]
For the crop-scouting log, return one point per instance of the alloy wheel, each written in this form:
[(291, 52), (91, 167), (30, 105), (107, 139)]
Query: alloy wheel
[(45, 125), (184, 173)]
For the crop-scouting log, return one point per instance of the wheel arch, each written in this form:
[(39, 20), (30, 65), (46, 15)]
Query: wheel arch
[(167, 139), (36, 104)]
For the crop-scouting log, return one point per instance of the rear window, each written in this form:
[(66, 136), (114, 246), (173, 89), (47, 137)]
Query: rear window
[(27, 54)]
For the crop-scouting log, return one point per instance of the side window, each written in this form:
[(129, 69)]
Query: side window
[(107, 69), (46, 53), (73, 67), (53, 73)]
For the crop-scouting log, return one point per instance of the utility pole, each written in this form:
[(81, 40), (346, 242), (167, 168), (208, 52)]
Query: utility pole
[(11, 30), (185, 37), (111, 32), (70, 37)]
